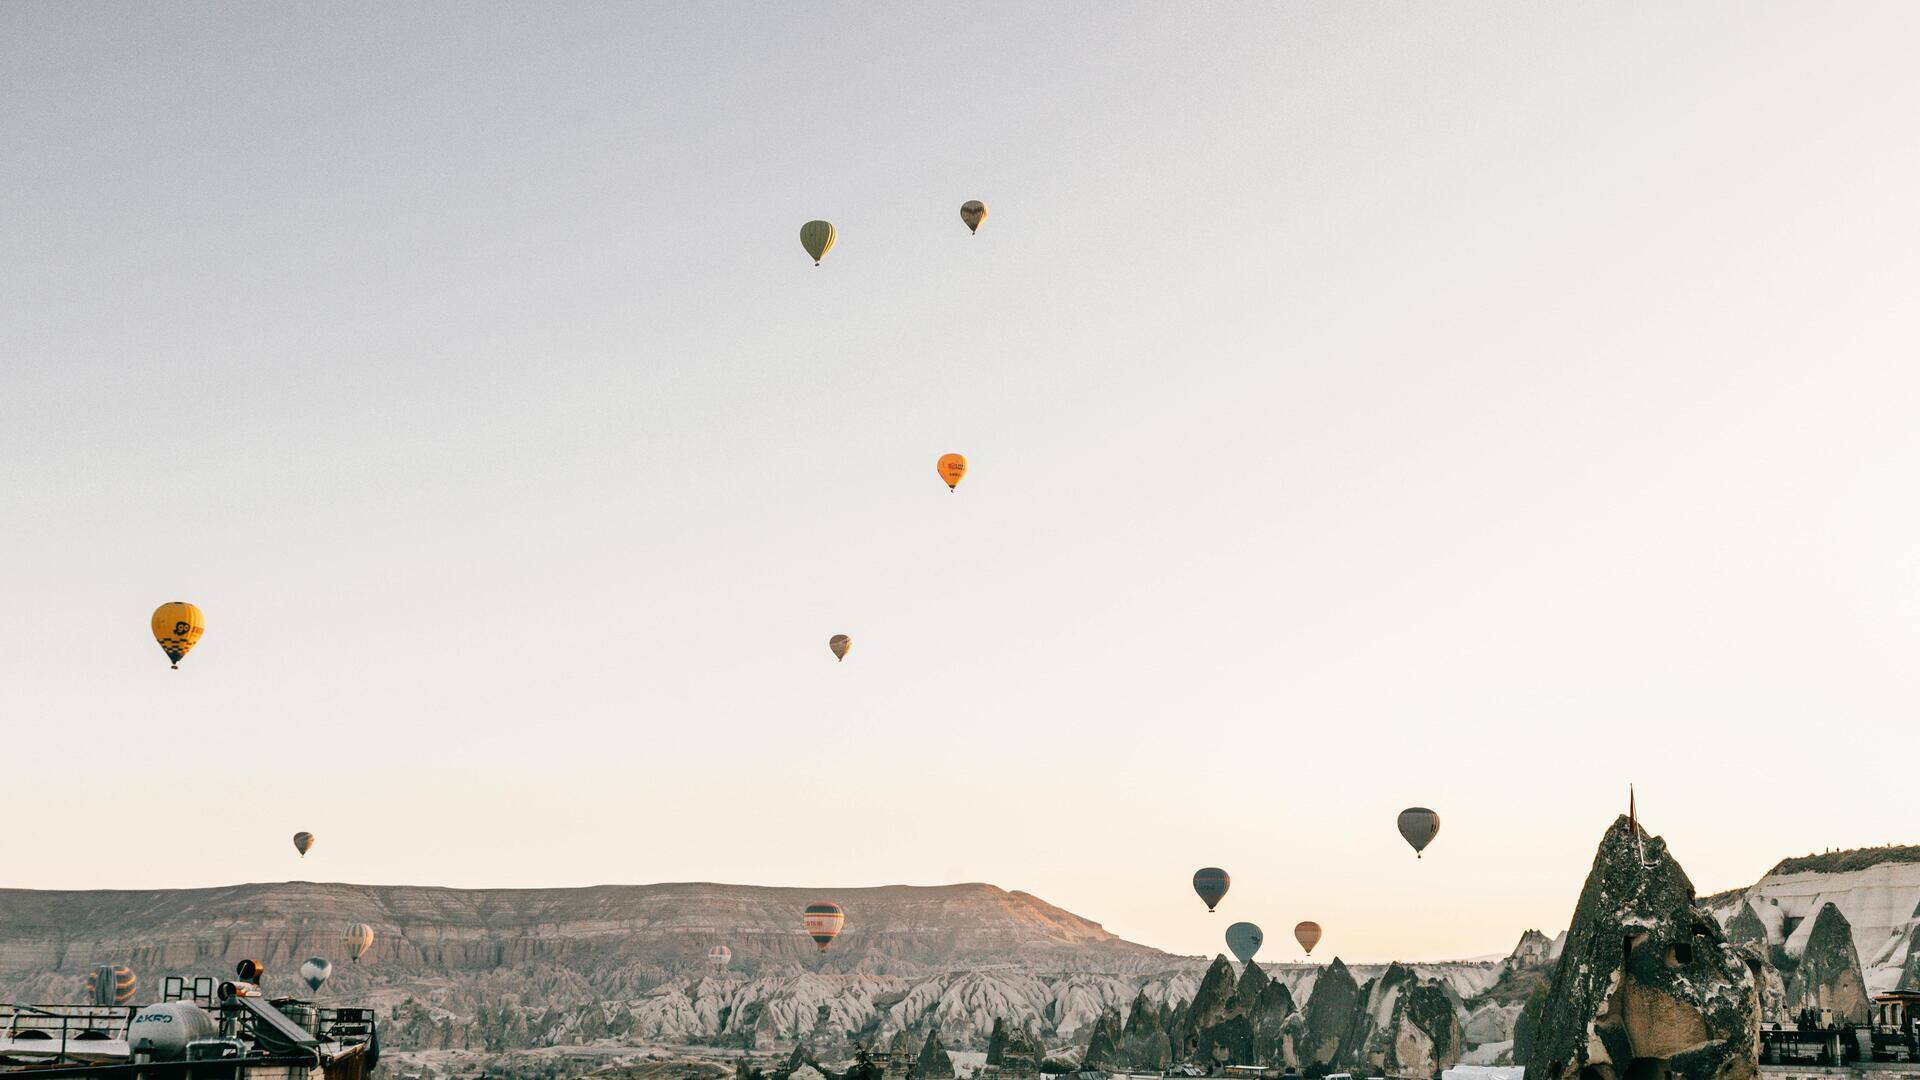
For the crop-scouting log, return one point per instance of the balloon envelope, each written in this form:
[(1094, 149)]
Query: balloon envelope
[(1211, 883), (841, 644), (719, 956), (358, 940), (1244, 939), (1308, 935), (1419, 825), (823, 922), (177, 626), (952, 468), (316, 971), (818, 237), (111, 984), (973, 212), (303, 843)]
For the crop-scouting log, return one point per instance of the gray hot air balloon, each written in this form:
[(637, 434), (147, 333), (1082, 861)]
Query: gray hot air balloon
[(1419, 825), (1243, 939), (316, 971)]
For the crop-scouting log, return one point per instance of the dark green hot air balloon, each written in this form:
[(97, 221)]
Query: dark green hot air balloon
[(1211, 883), (818, 237), (1419, 825)]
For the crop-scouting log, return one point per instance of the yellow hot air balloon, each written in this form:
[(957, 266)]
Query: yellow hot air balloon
[(818, 237), (358, 940), (177, 626), (952, 468), (840, 644), (973, 212)]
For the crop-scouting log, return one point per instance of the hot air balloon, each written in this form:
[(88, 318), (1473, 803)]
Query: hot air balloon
[(303, 843), (719, 957), (1419, 825), (1243, 939), (358, 940), (177, 626), (818, 237), (111, 984), (952, 469), (823, 922), (973, 212), (1308, 935), (1211, 883), (316, 971), (841, 644)]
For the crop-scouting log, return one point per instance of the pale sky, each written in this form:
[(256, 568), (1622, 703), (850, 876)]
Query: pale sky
[(1480, 406)]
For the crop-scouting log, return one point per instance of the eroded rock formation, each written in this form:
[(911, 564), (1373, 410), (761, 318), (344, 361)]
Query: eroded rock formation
[(1331, 1015), (1827, 974), (1647, 985), (1409, 1025)]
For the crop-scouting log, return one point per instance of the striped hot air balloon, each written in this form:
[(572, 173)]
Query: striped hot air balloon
[(1211, 883), (358, 940), (719, 957), (111, 984), (823, 922)]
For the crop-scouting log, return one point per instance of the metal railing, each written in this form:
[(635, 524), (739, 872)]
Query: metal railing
[(58, 1032)]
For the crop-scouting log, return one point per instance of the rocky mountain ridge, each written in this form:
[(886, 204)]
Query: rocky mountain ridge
[(620, 939)]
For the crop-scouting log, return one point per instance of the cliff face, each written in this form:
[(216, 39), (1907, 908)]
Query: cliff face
[(1877, 890), (1646, 978), (606, 932)]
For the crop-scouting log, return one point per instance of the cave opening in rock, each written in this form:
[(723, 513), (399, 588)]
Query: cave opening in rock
[(1679, 954), (1648, 1068)]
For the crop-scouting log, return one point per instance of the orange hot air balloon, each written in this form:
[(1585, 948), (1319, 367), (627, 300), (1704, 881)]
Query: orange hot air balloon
[(177, 626), (952, 469), (1308, 935), (823, 922)]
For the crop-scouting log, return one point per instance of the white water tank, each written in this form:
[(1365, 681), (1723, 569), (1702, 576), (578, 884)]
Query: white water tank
[(163, 1031)]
